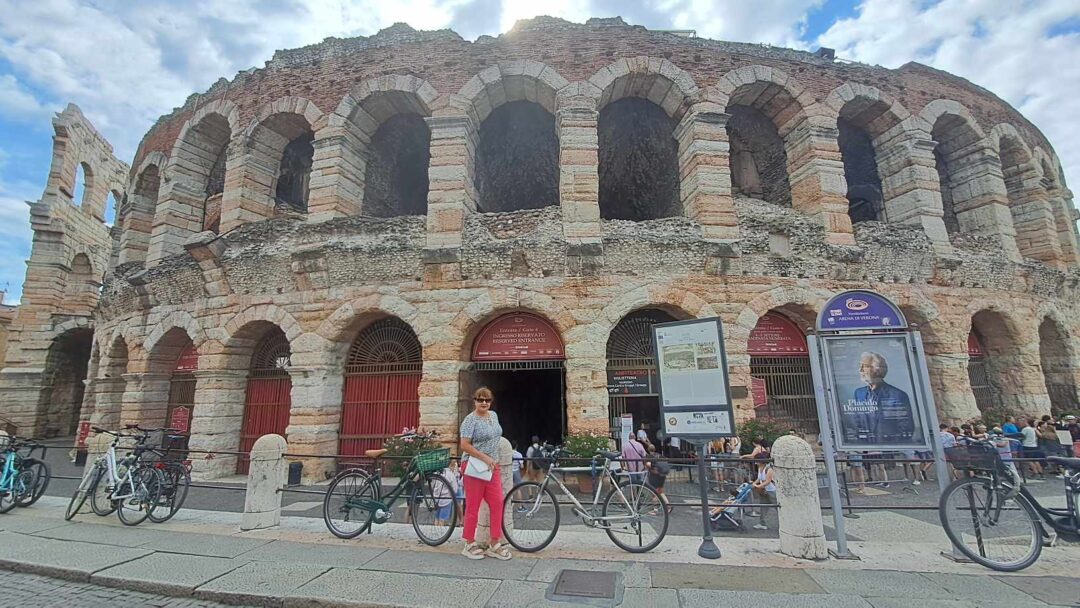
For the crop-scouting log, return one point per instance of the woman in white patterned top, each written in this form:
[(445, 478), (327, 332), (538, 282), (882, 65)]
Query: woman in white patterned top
[(480, 434)]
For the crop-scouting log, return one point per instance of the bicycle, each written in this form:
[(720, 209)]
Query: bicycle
[(129, 486), (632, 514), (176, 475), (354, 500), (23, 478), (992, 518)]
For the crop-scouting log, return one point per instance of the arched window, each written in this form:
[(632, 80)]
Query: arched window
[(295, 173), (757, 156), (639, 164), (517, 159), (83, 186), (865, 201), (396, 180)]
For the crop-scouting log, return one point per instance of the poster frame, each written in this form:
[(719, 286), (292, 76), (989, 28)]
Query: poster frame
[(725, 406)]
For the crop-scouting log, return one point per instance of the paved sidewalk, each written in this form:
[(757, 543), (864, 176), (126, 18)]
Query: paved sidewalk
[(34, 591), (201, 555)]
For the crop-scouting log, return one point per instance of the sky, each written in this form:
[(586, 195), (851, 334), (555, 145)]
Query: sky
[(126, 63)]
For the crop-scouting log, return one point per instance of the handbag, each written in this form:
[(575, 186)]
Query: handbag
[(475, 468)]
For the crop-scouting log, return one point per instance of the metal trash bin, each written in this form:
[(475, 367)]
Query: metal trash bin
[(296, 472)]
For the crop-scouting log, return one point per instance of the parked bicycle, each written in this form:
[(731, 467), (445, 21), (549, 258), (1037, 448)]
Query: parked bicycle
[(992, 518), (130, 486), (23, 478), (176, 473), (632, 513), (354, 499)]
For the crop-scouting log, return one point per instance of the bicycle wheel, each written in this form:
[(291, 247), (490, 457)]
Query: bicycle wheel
[(101, 498), (347, 504), (174, 491), (89, 482), (530, 516), (42, 477), (22, 483), (138, 495), (431, 509), (639, 519), (989, 526)]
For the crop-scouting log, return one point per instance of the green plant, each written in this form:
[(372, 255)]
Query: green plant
[(400, 450), (759, 427), (585, 444)]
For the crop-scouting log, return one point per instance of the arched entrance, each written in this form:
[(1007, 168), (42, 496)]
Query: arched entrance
[(1057, 367), (267, 400), (382, 375), (978, 374), (781, 384), (520, 357), (182, 390), (65, 370), (631, 370)]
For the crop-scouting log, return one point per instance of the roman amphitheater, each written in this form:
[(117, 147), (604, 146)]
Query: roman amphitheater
[(350, 239)]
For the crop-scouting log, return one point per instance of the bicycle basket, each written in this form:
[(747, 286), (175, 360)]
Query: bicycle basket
[(974, 457), (433, 461)]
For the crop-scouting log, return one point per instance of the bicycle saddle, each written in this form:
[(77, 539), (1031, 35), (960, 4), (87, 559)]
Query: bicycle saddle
[(609, 455), (1069, 463), (375, 453)]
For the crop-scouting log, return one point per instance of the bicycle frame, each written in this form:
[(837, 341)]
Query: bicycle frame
[(1061, 520), (387, 502), (113, 478), (9, 472), (587, 514)]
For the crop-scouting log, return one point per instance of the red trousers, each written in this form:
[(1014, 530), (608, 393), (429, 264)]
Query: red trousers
[(491, 492)]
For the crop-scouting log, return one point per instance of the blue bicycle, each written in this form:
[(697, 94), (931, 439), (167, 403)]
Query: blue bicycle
[(23, 478)]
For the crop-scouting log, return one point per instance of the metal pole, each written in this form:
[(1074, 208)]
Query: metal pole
[(930, 410), (708, 548), (828, 450)]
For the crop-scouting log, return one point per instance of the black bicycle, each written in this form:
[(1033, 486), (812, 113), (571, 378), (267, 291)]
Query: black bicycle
[(993, 519)]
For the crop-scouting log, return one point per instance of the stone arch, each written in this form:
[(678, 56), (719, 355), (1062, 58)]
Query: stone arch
[(495, 302), (179, 319), (1027, 196), (1011, 385), (63, 377), (342, 326), (512, 107), (137, 217), (1057, 359), (82, 192), (275, 162), (344, 146), (235, 327), (82, 283), (866, 120), (642, 100), (802, 301)]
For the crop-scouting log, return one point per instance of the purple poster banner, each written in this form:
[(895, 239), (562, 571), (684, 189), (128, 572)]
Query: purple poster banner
[(860, 310)]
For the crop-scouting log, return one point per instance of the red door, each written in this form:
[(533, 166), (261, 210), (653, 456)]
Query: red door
[(382, 378), (268, 398)]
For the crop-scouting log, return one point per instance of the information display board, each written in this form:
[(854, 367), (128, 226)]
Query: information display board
[(695, 395)]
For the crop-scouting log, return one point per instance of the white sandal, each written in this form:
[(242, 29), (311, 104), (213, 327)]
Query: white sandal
[(473, 551), (498, 551)]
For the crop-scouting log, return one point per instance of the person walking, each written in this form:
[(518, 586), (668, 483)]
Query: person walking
[(1030, 449), (633, 457), (480, 434)]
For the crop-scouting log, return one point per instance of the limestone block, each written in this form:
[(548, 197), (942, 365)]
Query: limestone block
[(266, 476), (802, 534)]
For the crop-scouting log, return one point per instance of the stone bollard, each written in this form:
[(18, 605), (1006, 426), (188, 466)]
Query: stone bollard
[(506, 471), (266, 477), (802, 534)]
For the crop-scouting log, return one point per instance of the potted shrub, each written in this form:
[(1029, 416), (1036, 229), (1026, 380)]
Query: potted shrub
[(402, 449), (581, 447)]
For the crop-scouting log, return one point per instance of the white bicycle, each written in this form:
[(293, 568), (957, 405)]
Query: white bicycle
[(129, 486)]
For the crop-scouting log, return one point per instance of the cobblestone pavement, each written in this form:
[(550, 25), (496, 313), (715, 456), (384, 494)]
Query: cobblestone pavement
[(31, 591)]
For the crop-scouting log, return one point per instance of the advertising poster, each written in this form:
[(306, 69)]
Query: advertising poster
[(710, 423), (875, 403), (695, 398)]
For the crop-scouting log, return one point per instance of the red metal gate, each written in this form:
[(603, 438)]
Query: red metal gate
[(268, 398), (182, 391), (382, 377)]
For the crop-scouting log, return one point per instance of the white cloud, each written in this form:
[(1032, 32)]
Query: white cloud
[(15, 100), (1005, 47)]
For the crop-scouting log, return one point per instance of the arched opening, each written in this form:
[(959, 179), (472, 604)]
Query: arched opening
[(83, 186), (1001, 384), (520, 357), (396, 179), (81, 287), (112, 207), (782, 387), (954, 137), (757, 156), (160, 397), (294, 174), (865, 201), (1057, 367), (137, 218), (278, 161), (382, 377), (268, 395), (517, 159), (205, 148), (633, 388), (638, 161), (63, 379), (181, 405)]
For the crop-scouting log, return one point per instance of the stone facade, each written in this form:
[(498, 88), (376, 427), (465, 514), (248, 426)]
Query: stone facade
[(975, 225)]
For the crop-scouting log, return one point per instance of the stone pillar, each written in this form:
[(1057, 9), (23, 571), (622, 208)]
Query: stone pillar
[(980, 198), (506, 474), (705, 173), (137, 224), (451, 194), (586, 380), (905, 163), (579, 175), (438, 390), (951, 386), (179, 215), (315, 417), (216, 418), (267, 475), (816, 173), (802, 534), (1033, 216), (109, 399), (338, 167), (145, 399), (250, 178)]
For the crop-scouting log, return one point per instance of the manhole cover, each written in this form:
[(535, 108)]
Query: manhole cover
[(580, 583)]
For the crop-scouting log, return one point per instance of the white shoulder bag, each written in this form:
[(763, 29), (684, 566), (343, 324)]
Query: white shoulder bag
[(474, 467)]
